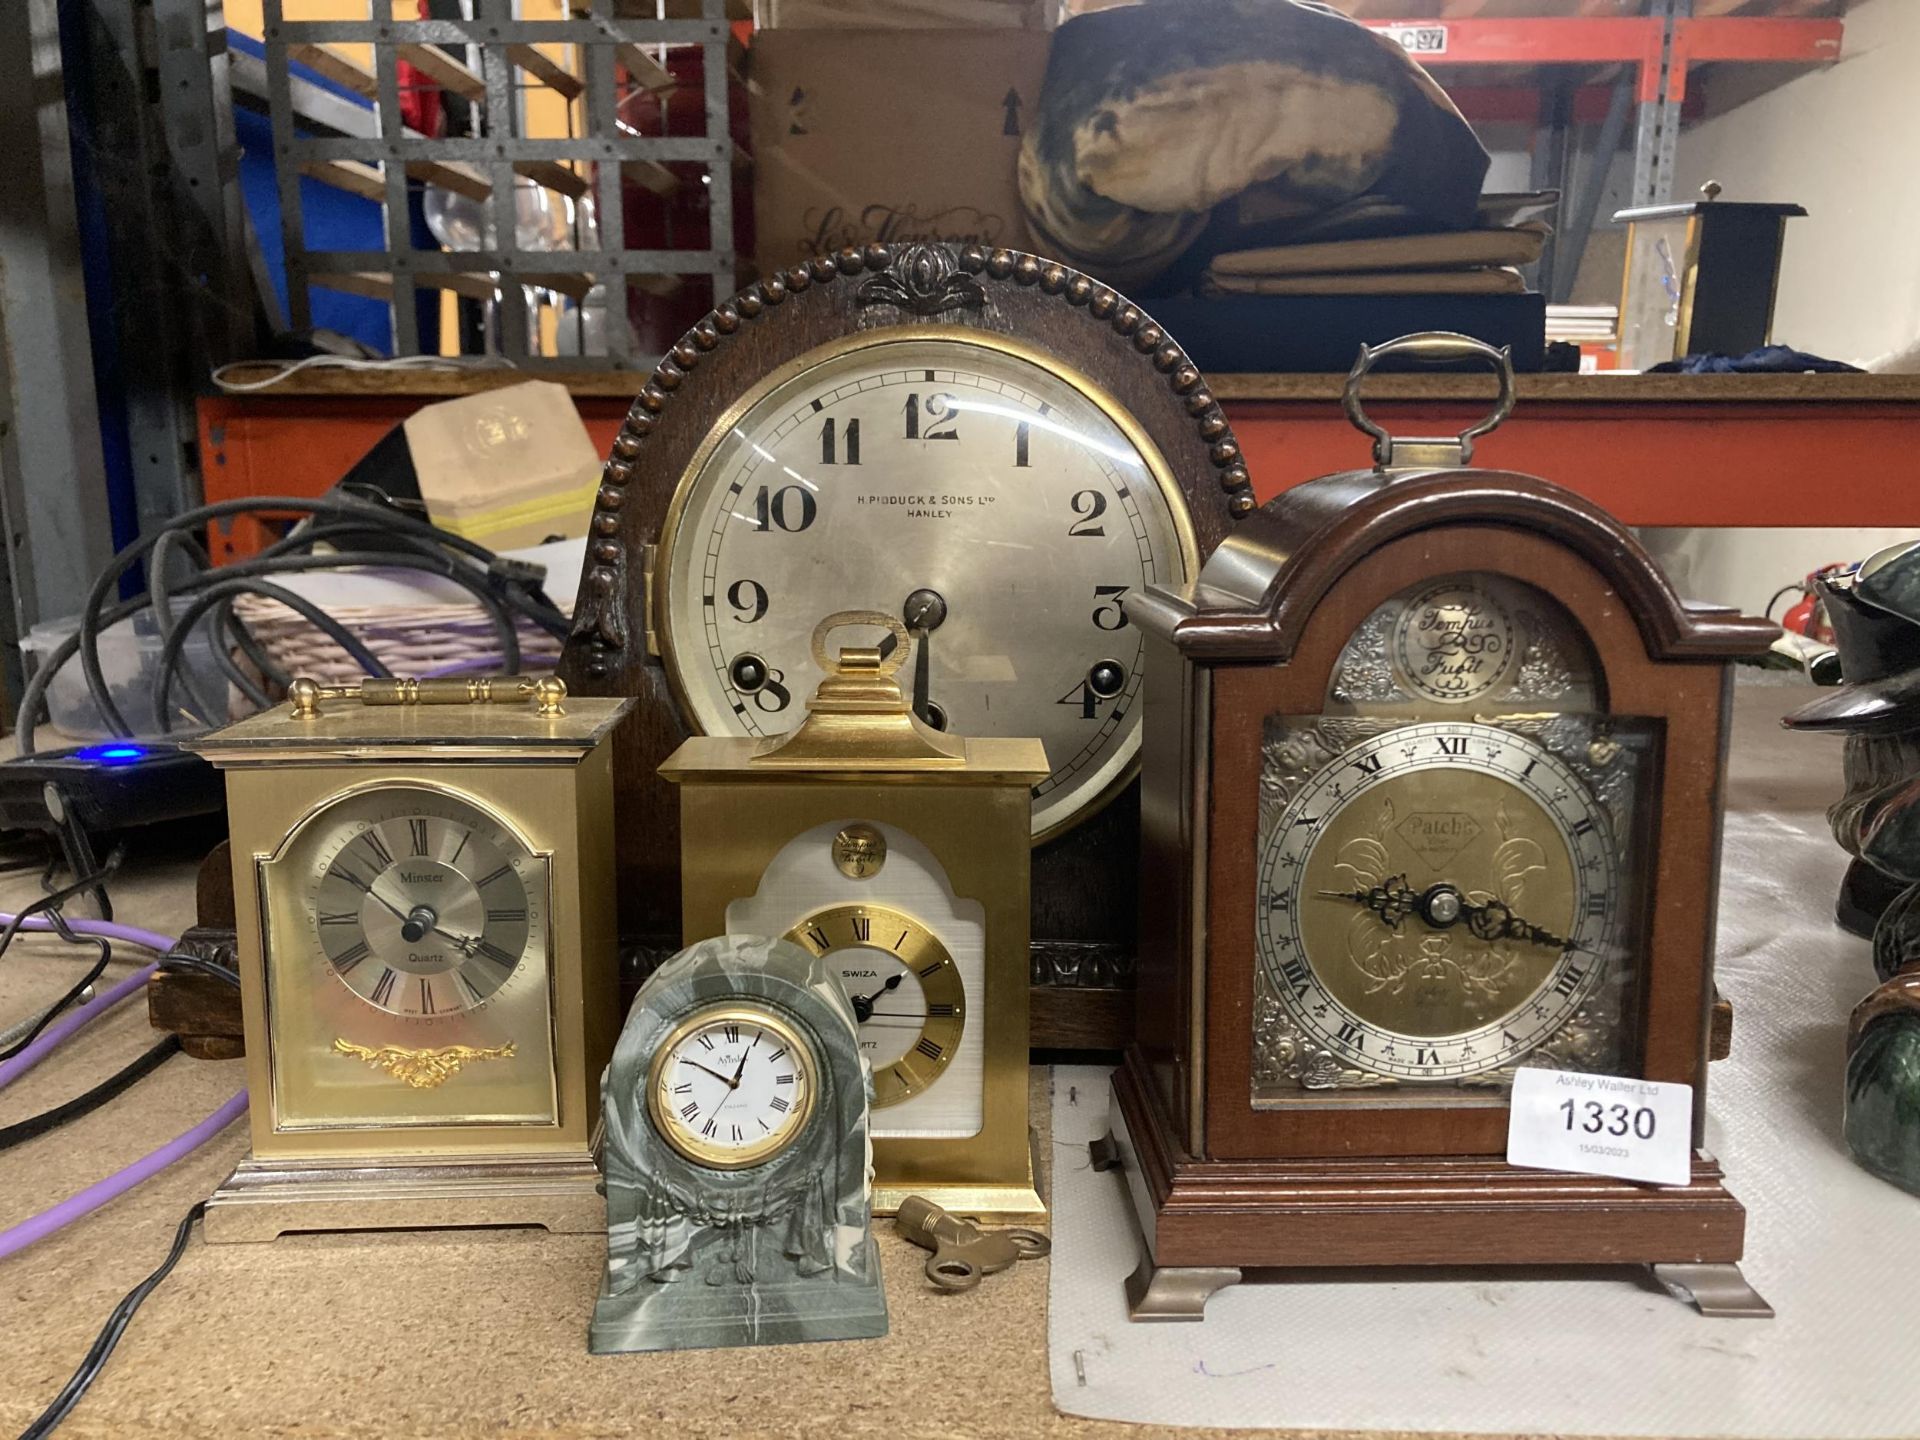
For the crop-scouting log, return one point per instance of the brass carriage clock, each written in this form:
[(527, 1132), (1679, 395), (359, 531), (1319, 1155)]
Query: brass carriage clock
[(1008, 449), (424, 897), (1436, 754), (899, 856)]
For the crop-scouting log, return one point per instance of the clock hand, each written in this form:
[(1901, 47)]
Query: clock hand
[(924, 612), (715, 1073), (741, 1068), (1392, 900), (863, 1004), (1493, 920)]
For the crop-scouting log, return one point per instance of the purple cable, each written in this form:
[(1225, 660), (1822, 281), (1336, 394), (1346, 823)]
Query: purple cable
[(94, 1196), (13, 1069), (38, 1227)]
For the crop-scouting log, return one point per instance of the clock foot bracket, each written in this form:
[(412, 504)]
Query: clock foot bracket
[(263, 1200), (1160, 1292), (1719, 1291)]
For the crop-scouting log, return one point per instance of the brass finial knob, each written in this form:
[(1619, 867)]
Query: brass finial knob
[(1710, 190), (548, 692), (305, 695)]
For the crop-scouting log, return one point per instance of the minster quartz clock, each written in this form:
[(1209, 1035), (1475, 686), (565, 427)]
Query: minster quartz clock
[(1431, 793), (423, 882), (991, 446)]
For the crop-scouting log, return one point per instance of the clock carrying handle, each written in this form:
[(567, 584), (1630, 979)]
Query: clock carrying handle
[(546, 692), (1436, 347)]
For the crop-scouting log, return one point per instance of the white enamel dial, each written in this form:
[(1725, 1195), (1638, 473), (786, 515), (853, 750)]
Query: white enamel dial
[(731, 1086), (960, 485), (421, 904)]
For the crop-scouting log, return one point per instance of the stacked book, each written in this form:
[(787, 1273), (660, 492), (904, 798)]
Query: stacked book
[(1583, 324), (1460, 262)]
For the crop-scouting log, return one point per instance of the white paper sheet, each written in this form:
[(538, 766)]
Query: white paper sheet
[(1587, 1352)]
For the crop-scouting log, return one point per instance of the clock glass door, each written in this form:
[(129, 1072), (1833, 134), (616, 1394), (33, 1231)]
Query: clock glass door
[(1448, 879), (407, 965), (1001, 506)]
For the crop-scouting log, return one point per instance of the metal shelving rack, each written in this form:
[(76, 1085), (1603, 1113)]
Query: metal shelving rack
[(501, 158), (1561, 63)]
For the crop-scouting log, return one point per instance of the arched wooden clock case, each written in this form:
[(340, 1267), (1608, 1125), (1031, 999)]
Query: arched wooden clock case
[(1083, 904), (1228, 1162)]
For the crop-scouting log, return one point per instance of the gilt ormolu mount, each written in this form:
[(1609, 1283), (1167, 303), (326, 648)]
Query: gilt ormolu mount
[(1083, 914)]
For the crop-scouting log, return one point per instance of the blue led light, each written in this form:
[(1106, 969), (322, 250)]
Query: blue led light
[(112, 754)]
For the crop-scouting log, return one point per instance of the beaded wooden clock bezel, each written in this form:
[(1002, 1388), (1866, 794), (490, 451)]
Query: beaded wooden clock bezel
[(1084, 934)]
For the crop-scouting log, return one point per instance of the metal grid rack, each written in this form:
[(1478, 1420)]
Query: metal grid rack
[(503, 63)]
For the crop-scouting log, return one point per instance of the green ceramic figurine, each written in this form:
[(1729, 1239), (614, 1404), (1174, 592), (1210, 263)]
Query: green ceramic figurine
[(1875, 613), (737, 1159)]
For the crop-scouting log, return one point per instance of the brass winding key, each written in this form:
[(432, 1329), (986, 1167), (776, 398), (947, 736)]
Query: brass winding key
[(962, 1251)]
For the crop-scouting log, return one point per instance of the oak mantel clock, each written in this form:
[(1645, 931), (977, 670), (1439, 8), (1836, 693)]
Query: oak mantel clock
[(994, 447), (423, 881), (1437, 754)]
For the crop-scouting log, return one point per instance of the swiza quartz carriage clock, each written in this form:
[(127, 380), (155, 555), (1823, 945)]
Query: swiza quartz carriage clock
[(898, 856), (423, 884), (992, 446), (1436, 754)]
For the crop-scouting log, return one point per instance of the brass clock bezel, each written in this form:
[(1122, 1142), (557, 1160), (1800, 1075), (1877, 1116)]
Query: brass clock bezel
[(720, 1157), (663, 578), (922, 952)]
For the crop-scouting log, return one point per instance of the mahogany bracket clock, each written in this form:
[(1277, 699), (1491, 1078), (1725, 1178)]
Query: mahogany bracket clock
[(1436, 755), (995, 447)]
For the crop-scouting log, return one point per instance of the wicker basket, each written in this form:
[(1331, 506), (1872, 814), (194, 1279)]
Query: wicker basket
[(411, 640)]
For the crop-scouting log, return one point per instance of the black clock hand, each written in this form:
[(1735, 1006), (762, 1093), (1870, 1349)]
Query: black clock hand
[(715, 1073), (1492, 920), (863, 1004), (1392, 900), (741, 1068), (924, 612)]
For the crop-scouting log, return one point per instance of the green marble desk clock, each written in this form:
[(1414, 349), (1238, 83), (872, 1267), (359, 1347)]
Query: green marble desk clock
[(737, 1158)]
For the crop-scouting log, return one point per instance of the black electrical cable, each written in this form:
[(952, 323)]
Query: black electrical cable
[(383, 520), (49, 905), (170, 652), (504, 633), (118, 1083), (80, 988), (180, 960), (501, 594), (163, 607), (102, 1348)]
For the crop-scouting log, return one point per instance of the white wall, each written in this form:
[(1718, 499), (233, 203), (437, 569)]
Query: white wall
[(1844, 141)]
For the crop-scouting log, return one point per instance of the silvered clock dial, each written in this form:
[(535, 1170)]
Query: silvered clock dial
[(423, 905), (1000, 503)]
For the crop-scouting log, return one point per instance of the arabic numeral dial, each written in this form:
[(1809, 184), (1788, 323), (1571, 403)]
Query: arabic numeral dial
[(969, 472)]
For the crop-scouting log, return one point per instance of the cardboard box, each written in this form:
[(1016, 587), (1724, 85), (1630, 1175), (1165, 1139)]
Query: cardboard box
[(891, 136), (507, 467)]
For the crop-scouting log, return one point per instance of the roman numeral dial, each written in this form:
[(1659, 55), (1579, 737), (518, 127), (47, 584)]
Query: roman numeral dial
[(908, 998), (1448, 909), (422, 904), (732, 1085)]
